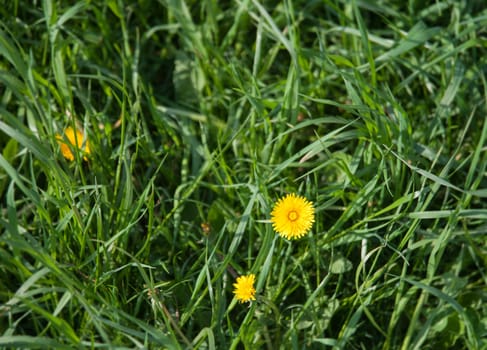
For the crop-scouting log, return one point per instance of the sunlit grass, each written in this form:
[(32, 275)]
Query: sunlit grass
[(200, 116)]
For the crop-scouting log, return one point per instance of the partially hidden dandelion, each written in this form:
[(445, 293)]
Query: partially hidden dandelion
[(77, 141), (292, 216), (244, 288)]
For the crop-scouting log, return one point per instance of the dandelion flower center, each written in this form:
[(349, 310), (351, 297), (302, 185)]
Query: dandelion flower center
[(292, 216)]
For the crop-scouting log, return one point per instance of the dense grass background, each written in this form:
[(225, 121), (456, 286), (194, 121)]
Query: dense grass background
[(201, 114)]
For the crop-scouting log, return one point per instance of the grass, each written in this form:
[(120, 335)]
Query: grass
[(200, 116)]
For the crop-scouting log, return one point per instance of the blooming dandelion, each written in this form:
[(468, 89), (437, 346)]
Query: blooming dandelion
[(76, 140), (292, 216), (244, 288)]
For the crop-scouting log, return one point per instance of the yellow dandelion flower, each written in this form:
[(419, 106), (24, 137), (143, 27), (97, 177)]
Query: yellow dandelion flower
[(244, 288), (76, 140), (292, 216)]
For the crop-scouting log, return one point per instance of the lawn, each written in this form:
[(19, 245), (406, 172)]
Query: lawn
[(243, 174)]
